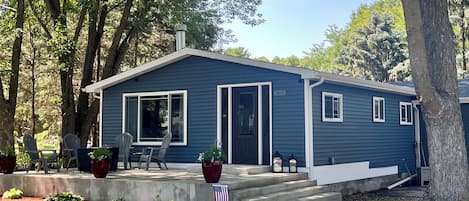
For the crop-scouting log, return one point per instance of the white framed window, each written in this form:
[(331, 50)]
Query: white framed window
[(406, 114), (332, 107), (379, 109), (149, 116)]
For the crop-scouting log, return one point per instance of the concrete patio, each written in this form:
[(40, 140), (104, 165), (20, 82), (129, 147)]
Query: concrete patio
[(178, 184)]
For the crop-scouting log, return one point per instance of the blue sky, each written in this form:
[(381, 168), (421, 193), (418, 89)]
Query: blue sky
[(292, 26)]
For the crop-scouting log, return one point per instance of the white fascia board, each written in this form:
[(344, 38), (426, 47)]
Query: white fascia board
[(184, 53), (187, 52), (463, 100), (127, 75), (365, 83)]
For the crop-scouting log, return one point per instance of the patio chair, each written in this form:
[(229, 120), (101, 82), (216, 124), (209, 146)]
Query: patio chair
[(71, 145), (124, 143), (150, 154), (30, 147)]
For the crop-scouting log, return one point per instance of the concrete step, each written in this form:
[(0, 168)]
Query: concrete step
[(266, 190), (237, 169), (329, 196), (267, 179), (291, 195)]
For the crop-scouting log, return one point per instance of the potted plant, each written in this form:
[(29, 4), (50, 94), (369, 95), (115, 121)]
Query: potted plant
[(212, 161), (7, 160), (100, 162)]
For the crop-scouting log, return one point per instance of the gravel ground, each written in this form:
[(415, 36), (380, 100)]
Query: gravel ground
[(398, 194)]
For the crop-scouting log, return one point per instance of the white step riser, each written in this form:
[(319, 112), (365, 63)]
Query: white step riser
[(255, 192)]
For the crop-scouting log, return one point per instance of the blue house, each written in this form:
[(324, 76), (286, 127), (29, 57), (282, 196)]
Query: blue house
[(339, 128)]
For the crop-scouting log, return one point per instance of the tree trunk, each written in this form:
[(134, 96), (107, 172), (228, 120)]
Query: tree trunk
[(86, 113), (8, 107), (433, 61)]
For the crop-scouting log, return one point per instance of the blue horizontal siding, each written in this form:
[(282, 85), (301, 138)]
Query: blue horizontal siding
[(423, 131), (200, 77), (358, 138)]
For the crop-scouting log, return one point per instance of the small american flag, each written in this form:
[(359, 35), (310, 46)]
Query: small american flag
[(220, 192)]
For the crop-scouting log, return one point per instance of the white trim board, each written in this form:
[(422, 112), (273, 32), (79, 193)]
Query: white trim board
[(187, 52), (229, 87), (155, 93), (329, 174)]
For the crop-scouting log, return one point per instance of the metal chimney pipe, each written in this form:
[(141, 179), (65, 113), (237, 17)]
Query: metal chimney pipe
[(180, 36)]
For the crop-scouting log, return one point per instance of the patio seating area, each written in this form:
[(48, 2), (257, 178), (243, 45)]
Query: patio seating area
[(178, 183)]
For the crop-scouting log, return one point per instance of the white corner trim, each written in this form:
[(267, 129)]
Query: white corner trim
[(329, 174), (308, 116), (341, 107), (101, 96)]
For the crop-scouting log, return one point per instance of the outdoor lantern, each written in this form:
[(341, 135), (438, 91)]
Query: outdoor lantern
[(277, 163), (292, 164)]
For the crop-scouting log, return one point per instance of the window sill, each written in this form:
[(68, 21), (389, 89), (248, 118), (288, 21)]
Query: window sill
[(406, 124), (159, 144), (332, 120), (378, 120)]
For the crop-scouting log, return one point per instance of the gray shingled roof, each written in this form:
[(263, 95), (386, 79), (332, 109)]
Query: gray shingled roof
[(463, 86)]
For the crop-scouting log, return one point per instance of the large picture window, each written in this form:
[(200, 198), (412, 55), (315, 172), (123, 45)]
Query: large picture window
[(332, 107), (150, 116)]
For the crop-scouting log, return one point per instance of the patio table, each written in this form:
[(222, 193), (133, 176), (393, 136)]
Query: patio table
[(84, 161)]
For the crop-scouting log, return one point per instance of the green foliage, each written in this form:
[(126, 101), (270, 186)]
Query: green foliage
[(22, 160), (237, 52), (8, 152), (13, 193), (100, 154), (119, 199), (374, 50), (46, 141), (65, 196), (213, 154)]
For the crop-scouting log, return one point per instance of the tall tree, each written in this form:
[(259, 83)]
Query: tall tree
[(433, 63), (457, 12), (8, 104), (374, 50), (237, 52), (126, 21)]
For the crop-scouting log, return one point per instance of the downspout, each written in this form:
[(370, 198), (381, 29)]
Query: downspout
[(100, 116), (417, 133), (310, 126)]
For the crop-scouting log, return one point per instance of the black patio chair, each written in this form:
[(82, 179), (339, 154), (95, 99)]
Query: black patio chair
[(30, 147)]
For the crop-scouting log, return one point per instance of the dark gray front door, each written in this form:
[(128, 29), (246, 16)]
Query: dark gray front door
[(245, 125)]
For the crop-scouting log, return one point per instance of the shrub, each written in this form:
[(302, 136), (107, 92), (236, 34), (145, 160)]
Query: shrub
[(119, 199), (22, 161), (64, 196), (13, 193)]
